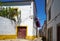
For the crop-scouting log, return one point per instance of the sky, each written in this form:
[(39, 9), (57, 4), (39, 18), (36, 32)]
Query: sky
[(40, 4)]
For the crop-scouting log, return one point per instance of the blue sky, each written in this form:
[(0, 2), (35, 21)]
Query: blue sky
[(40, 4)]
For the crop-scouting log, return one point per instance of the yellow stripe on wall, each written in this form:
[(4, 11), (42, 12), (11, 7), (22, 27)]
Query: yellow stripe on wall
[(3, 37), (30, 37)]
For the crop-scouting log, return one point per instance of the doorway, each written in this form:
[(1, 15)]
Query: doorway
[(58, 33), (21, 33), (50, 34)]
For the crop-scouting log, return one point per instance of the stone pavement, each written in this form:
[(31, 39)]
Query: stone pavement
[(16, 40), (36, 39)]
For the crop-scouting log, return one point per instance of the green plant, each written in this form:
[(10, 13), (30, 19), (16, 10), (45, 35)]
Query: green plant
[(9, 12)]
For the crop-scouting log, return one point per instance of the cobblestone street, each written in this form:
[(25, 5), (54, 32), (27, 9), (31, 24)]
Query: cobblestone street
[(36, 39)]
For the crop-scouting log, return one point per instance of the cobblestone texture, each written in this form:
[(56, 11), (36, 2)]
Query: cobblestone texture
[(36, 39)]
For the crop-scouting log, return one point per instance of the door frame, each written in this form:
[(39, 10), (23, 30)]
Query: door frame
[(58, 25), (50, 33), (22, 26)]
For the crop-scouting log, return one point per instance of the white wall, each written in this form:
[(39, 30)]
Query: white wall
[(55, 18), (26, 13), (7, 27), (55, 9)]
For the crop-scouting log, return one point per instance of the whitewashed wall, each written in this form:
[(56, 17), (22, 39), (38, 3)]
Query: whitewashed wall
[(55, 18), (26, 13), (7, 27)]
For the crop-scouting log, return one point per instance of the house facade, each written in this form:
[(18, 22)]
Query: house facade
[(44, 29), (53, 19), (25, 21)]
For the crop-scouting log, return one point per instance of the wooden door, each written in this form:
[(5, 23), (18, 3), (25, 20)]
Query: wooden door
[(58, 33), (50, 34), (21, 32)]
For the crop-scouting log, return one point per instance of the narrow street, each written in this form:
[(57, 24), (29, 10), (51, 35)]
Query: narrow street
[(29, 20)]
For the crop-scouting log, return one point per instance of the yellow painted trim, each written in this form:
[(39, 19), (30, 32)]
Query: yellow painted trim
[(3, 37), (27, 37), (30, 37), (16, 30), (21, 26)]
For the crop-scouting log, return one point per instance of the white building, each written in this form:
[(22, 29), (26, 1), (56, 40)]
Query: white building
[(53, 19), (26, 27)]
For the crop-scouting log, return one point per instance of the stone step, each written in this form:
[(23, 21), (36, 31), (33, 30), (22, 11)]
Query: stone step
[(38, 39), (16, 40)]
